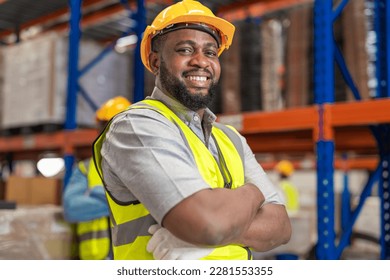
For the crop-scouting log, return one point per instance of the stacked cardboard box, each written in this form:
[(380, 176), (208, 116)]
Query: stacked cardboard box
[(33, 191)]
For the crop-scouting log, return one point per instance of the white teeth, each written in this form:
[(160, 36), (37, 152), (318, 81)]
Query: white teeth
[(197, 78)]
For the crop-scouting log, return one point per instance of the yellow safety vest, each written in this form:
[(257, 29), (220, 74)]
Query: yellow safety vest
[(291, 195), (130, 221), (94, 236)]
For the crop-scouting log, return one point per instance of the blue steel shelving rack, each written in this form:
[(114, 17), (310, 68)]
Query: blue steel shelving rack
[(74, 73), (325, 49)]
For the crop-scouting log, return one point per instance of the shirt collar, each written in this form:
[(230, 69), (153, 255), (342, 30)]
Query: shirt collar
[(180, 110)]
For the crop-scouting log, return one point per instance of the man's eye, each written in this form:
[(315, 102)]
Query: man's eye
[(211, 53), (185, 50)]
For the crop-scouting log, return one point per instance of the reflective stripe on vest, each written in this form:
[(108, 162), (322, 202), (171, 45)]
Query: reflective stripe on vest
[(94, 237), (131, 220)]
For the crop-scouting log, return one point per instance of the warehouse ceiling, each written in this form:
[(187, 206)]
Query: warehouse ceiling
[(102, 19)]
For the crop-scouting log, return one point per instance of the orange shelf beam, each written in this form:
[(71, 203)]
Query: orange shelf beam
[(64, 141), (106, 9), (360, 112), (252, 9), (366, 163), (336, 115), (297, 129), (357, 139), (286, 120), (52, 16)]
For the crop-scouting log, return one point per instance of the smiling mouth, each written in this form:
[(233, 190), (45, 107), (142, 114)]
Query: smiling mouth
[(197, 78)]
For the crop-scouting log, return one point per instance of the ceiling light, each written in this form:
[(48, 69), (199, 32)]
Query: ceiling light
[(51, 166), (126, 43)]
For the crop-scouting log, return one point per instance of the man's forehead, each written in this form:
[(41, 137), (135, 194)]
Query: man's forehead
[(191, 36)]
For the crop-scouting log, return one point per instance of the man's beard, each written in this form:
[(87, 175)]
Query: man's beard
[(178, 90)]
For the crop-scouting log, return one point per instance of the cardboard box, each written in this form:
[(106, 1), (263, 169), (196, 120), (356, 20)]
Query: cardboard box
[(44, 191), (33, 191), (17, 190), (2, 189)]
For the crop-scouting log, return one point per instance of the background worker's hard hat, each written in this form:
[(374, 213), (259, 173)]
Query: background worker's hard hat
[(186, 11), (285, 167), (112, 107)]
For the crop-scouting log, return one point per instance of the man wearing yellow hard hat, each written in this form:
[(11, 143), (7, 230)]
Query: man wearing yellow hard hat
[(179, 184), (285, 169), (84, 199)]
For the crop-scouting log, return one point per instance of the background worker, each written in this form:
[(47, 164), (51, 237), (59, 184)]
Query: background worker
[(289, 191), (170, 170), (84, 198)]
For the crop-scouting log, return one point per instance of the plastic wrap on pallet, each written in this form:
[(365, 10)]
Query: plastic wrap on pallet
[(298, 57), (272, 66), (111, 76), (30, 92), (35, 81), (355, 26), (230, 78), (250, 70), (1, 82), (35, 233)]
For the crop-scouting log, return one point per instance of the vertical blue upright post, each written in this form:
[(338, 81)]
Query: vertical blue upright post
[(73, 75), (139, 77), (382, 27), (382, 57), (345, 199), (385, 254), (384, 192), (324, 93), (73, 59), (387, 38)]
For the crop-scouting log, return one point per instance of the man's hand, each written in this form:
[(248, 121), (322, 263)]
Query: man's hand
[(165, 246)]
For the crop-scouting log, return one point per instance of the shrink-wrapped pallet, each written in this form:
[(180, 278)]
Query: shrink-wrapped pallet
[(31, 92), (110, 77), (250, 71), (231, 78), (1, 81), (35, 233), (272, 66), (298, 56), (35, 81), (355, 33)]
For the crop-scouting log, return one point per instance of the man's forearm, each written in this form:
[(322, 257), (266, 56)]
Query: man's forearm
[(215, 217), (270, 228)]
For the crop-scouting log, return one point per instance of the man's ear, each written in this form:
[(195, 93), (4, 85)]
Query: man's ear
[(154, 62)]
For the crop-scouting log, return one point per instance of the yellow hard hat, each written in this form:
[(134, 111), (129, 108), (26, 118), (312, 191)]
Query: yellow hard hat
[(112, 107), (285, 167), (192, 13)]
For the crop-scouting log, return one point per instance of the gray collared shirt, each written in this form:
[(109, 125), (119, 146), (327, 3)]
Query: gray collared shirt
[(144, 158)]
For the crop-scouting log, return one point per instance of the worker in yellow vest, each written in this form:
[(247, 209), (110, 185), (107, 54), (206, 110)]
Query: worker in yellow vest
[(84, 199), (290, 192), (179, 184)]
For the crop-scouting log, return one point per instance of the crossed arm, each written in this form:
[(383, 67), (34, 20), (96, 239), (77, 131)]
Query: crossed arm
[(224, 216)]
